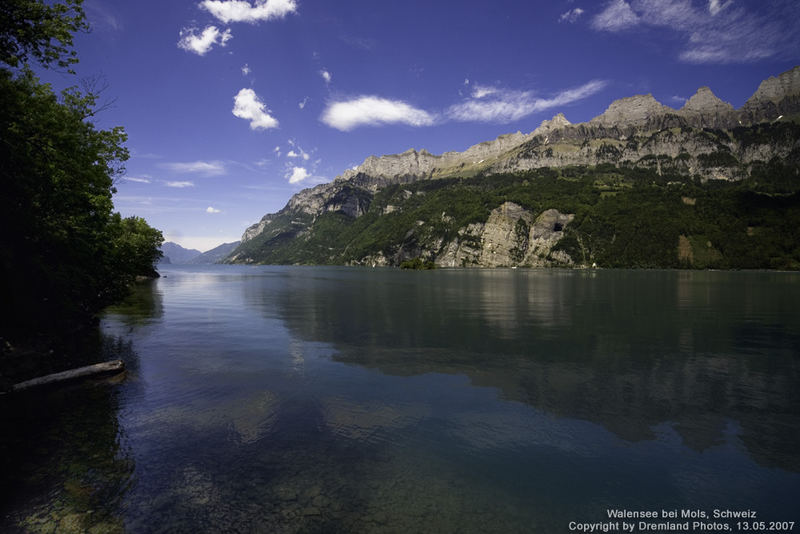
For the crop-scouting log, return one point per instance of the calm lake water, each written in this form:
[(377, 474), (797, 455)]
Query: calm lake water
[(317, 399)]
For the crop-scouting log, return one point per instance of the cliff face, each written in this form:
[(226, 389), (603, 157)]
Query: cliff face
[(706, 139), (511, 236)]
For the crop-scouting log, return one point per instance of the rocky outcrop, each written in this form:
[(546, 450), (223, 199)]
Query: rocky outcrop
[(775, 97), (512, 236), (547, 126), (704, 101), (255, 229), (776, 88), (631, 110), (411, 165), (705, 110)]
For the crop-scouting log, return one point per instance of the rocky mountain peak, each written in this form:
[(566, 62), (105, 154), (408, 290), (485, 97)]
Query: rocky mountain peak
[(705, 101), (547, 126), (775, 96), (630, 110), (776, 88)]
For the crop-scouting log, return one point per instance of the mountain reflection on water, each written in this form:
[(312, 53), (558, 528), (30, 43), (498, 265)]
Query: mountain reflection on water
[(327, 399), (627, 350)]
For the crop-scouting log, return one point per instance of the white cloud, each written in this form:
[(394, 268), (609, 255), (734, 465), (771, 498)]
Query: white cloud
[(373, 111), (206, 168), (243, 11), (508, 106), (715, 6), (247, 105), (246, 70), (298, 175), (137, 179), (201, 44), (722, 32), (179, 185), (302, 103), (571, 15), (325, 75), (481, 91), (617, 15), (299, 153), (212, 209)]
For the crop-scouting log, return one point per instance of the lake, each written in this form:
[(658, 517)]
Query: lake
[(331, 399)]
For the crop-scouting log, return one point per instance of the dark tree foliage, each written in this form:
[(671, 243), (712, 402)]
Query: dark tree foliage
[(41, 31), (64, 254)]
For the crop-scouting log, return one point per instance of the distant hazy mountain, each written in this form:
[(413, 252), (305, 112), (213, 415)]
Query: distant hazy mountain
[(177, 254), (215, 255)]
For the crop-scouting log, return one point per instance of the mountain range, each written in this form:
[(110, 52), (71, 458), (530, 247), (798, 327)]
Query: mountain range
[(176, 254), (512, 201)]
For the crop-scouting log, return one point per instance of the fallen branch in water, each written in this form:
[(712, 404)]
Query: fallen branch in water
[(97, 369)]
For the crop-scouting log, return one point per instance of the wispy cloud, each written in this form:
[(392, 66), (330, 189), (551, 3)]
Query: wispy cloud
[(179, 185), (205, 168), (201, 44), (617, 15), (136, 204), (246, 70), (302, 103), (243, 11), (100, 17), (481, 91), (247, 105), (138, 180), (373, 111), (715, 6), (502, 105), (358, 42), (325, 75), (718, 32), (571, 16), (212, 209)]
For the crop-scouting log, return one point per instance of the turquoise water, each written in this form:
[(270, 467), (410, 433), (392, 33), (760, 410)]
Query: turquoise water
[(323, 399)]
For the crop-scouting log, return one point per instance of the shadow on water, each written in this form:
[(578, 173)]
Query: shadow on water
[(627, 350), (65, 467)]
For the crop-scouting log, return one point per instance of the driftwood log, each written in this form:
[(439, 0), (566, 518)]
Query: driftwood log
[(97, 369)]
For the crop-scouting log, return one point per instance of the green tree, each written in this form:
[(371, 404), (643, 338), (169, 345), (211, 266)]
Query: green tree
[(63, 254), (32, 28)]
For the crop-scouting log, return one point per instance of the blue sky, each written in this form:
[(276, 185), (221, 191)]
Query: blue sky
[(233, 106)]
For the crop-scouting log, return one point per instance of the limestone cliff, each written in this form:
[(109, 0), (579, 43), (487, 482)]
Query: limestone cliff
[(706, 139), (511, 236)]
